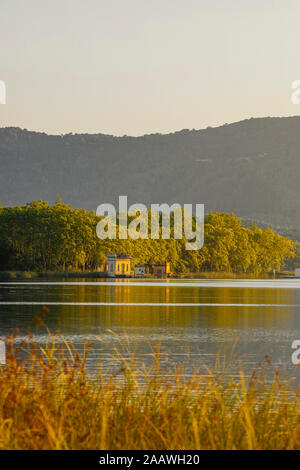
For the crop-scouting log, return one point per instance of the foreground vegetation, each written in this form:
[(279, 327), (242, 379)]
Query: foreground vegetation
[(40, 237), (52, 403)]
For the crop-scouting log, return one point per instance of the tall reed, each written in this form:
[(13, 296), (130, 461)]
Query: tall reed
[(49, 401)]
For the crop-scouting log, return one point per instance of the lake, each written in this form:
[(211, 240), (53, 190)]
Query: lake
[(191, 322)]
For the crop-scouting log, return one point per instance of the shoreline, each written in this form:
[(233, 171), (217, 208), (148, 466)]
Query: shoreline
[(24, 275)]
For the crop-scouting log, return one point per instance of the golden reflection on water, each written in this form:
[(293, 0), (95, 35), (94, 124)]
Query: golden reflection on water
[(210, 316), (263, 320)]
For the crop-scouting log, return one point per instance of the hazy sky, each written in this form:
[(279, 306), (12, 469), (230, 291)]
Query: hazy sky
[(142, 66)]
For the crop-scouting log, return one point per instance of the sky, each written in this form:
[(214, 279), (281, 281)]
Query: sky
[(136, 67)]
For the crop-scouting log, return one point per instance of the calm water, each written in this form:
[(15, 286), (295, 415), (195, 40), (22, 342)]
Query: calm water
[(191, 321)]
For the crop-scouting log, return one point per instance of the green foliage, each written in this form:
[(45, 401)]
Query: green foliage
[(294, 262), (41, 237)]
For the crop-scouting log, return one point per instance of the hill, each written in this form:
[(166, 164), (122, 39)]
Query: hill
[(250, 167)]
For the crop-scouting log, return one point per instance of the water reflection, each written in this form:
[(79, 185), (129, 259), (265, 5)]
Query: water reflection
[(191, 321)]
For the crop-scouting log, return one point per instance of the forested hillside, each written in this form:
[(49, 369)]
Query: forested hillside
[(251, 168)]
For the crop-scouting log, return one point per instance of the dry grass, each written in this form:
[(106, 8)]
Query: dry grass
[(52, 403)]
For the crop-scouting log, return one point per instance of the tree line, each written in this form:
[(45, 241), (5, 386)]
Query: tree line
[(43, 237)]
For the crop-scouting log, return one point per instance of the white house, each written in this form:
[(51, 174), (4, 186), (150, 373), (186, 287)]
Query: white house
[(139, 270), (118, 265)]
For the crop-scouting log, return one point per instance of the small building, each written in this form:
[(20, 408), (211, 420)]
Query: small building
[(297, 272), (162, 270), (118, 265), (139, 270)]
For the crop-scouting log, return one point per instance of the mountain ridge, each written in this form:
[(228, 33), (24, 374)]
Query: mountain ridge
[(250, 167)]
